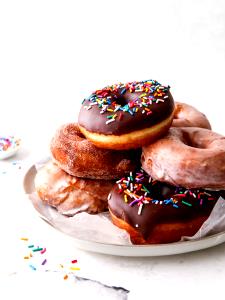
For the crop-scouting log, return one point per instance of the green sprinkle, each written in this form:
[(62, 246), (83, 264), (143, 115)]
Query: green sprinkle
[(186, 203), (37, 249), (146, 189), (30, 246)]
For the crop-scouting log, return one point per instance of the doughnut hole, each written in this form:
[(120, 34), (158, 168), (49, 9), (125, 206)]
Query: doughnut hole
[(192, 142)]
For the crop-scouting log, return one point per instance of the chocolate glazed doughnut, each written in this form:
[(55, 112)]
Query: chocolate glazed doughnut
[(126, 116), (188, 116), (187, 156), (72, 152), (153, 212)]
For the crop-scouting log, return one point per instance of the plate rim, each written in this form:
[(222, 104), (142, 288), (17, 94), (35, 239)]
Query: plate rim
[(131, 250)]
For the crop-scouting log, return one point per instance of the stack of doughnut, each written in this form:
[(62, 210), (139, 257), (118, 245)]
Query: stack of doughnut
[(153, 163), (80, 176)]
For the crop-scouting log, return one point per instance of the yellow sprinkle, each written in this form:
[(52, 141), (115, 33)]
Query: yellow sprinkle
[(61, 266), (26, 257), (74, 269), (24, 239), (136, 109), (131, 194), (114, 116), (125, 198), (128, 193), (31, 255), (109, 109)]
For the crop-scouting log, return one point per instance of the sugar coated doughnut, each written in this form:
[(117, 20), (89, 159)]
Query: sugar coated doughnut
[(79, 157)]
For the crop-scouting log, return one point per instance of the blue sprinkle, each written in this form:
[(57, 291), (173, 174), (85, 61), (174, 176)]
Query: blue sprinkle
[(167, 201), (131, 112), (32, 267), (126, 107), (123, 91), (155, 201)]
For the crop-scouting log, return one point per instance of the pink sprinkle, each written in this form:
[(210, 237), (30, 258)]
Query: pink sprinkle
[(120, 116), (74, 261), (43, 251)]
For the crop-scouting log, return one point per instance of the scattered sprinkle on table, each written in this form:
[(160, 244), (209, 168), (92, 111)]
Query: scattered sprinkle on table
[(38, 261)]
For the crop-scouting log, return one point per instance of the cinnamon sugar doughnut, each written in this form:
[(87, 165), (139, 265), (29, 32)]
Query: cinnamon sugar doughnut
[(188, 116), (79, 157), (153, 212), (187, 156), (71, 195), (126, 116)]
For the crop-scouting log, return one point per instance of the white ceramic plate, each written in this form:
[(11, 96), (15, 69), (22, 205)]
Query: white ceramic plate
[(132, 250)]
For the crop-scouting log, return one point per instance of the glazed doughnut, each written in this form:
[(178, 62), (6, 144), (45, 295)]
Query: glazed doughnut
[(154, 213), (188, 116), (187, 156), (126, 116), (71, 195), (79, 157)]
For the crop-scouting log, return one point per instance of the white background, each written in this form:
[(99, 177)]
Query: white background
[(55, 53)]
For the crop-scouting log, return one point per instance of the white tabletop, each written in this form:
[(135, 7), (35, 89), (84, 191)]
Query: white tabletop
[(52, 55)]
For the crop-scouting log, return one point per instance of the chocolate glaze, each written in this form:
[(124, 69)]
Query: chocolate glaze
[(153, 214), (93, 121)]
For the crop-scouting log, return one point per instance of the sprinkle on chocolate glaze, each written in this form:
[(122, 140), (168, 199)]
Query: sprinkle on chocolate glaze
[(150, 90), (139, 189), (118, 108), (138, 199)]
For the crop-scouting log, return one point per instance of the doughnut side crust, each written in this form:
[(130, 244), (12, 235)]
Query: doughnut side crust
[(162, 233), (132, 140)]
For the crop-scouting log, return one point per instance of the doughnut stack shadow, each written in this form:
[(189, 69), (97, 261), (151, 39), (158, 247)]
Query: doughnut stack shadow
[(153, 163)]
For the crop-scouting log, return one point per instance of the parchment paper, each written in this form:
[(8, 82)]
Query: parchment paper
[(99, 228)]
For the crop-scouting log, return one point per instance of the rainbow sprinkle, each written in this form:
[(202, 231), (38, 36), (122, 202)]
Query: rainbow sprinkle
[(137, 189), (107, 99), (37, 260), (7, 143)]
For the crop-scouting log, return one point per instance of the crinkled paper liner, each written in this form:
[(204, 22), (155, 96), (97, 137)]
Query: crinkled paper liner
[(99, 228)]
